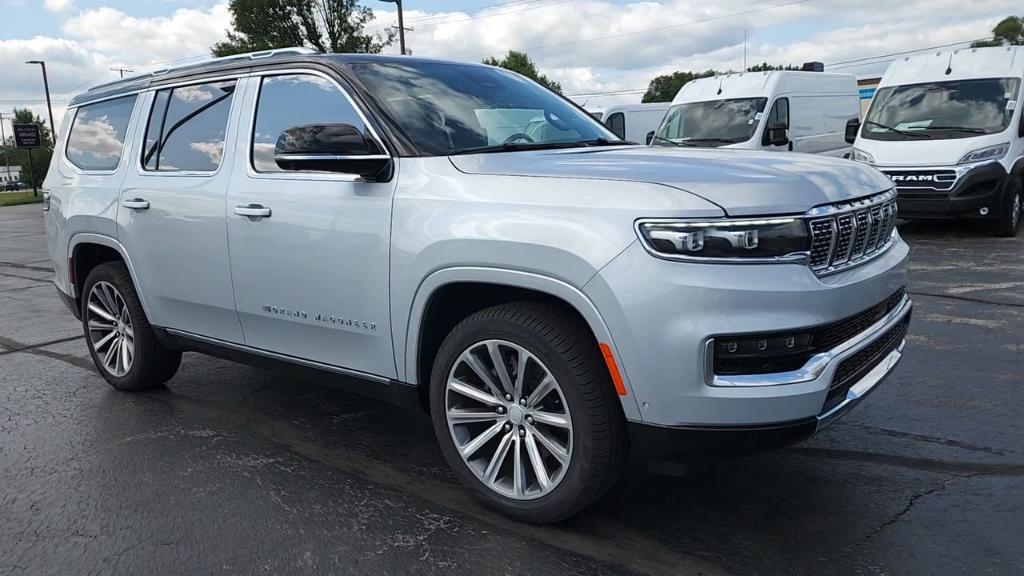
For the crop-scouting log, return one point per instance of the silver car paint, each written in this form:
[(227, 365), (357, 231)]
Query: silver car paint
[(742, 182), (559, 222)]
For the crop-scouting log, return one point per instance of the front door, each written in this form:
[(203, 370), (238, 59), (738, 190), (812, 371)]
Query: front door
[(171, 213), (309, 250)]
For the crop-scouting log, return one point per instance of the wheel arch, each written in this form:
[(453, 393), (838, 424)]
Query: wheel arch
[(86, 251), (426, 328)]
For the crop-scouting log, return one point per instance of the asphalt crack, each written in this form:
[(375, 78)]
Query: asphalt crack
[(971, 299)]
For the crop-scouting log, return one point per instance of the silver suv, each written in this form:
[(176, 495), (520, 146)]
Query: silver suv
[(454, 237)]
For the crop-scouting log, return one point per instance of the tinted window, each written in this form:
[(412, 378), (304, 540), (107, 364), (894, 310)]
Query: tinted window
[(97, 135), (276, 111), (186, 128), (778, 116), (455, 108), (711, 123), (942, 110), (617, 123)]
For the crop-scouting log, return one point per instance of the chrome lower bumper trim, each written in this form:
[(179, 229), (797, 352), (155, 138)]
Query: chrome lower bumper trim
[(817, 365), (863, 387)]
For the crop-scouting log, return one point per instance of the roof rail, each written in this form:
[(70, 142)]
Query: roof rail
[(248, 55)]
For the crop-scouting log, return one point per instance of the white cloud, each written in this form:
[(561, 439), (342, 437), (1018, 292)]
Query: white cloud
[(57, 5)]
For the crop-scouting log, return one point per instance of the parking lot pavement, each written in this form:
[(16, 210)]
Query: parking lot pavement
[(239, 470)]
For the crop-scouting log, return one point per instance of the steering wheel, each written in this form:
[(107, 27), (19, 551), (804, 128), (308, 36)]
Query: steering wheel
[(556, 121), (517, 137)]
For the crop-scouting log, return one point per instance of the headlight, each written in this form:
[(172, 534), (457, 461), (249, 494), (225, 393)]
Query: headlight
[(712, 240), (986, 154), (859, 155)]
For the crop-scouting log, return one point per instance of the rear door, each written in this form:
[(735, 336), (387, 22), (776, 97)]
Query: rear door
[(310, 268), (171, 214)]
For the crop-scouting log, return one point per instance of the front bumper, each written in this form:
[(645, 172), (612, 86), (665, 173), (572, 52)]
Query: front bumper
[(963, 193), (662, 314)]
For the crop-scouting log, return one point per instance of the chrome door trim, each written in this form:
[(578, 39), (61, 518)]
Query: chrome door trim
[(282, 357)]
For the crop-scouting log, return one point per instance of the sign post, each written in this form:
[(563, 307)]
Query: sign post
[(27, 136)]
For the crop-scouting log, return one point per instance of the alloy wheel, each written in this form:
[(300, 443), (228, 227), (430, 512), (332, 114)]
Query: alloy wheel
[(509, 419), (110, 329)]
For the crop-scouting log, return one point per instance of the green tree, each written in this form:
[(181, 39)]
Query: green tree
[(19, 156), (766, 67), (1009, 31), (520, 62), (664, 88), (326, 25)]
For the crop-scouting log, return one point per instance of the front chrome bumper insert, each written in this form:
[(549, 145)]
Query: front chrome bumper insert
[(863, 387), (818, 366)]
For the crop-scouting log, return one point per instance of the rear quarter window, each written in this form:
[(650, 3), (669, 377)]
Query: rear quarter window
[(96, 140)]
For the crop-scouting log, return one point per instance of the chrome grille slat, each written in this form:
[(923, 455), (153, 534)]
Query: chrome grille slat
[(847, 234)]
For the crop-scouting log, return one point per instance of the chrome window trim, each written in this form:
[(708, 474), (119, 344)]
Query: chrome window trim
[(125, 146), (150, 94), (337, 156), (815, 367), (250, 169)]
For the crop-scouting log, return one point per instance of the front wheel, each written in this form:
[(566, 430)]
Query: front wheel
[(525, 412), (1010, 220), (118, 334)]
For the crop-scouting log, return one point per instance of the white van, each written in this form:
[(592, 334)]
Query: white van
[(806, 112), (632, 122), (947, 129)]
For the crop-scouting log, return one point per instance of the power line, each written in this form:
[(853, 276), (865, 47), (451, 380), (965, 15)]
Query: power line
[(867, 60)]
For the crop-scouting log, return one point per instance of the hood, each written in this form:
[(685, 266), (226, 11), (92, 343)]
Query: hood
[(923, 152), (741, 182)]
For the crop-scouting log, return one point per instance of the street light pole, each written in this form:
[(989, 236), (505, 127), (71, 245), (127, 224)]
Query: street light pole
[(49, 106), (7, 156), (401, 24)]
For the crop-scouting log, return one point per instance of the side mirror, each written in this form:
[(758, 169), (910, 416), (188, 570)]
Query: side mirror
[(777, 135), (852, 128), (650, 136), (331, 148)]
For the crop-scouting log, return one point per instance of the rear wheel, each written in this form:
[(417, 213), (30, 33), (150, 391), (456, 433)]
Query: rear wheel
[(525, 413), (120, 338), (1010, 220)]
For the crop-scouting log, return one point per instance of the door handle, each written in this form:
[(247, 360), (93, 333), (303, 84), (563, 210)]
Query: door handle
[(253, 211), (135, 204)]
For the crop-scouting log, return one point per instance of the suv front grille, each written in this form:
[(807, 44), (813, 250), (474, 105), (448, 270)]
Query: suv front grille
[(850, 233)]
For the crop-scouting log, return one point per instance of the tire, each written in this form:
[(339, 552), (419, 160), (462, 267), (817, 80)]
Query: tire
[(109, 300), (547, 340), (1013, 211)]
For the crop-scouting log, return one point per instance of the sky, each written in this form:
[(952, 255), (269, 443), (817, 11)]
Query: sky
[(601, 51)]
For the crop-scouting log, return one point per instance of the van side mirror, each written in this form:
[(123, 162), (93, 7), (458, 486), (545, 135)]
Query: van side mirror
[(852, 129), (331, 148), (650, 137), (777, 135)]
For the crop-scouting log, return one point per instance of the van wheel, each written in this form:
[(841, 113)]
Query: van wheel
[(120, 339), (1009, 221), (525, 412)]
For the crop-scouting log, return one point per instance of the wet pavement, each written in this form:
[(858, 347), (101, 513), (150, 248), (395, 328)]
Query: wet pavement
[(236, 470)]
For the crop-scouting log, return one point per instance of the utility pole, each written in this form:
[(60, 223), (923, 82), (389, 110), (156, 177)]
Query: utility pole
[(401, 25), (121, 71), (7, 156), (744, 49), (49, 107)]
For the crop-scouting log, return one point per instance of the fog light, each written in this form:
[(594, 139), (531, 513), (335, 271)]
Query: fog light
[(983, 211)]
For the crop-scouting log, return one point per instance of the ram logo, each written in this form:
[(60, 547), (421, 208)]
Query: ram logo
[(912, 178)]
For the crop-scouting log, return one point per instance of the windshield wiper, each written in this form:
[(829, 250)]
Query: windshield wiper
[(517, 147), (672, 142), (723, 140), (606, 142), (959, 129), (897, 130)]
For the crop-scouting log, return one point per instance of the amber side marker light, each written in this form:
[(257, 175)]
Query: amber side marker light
[(613, 369)]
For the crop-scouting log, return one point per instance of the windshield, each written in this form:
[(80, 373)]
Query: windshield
[(712, 123), (455, 108), (942, 110)]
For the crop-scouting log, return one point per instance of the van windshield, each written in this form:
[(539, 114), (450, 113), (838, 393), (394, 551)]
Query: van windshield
[(712, 123), (942, 110), (462, 109)]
